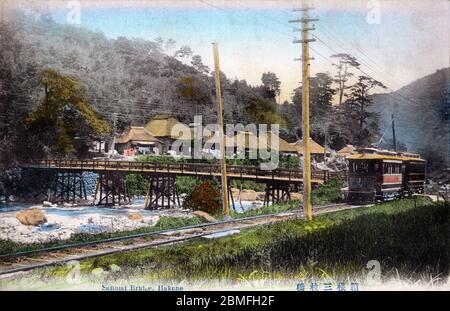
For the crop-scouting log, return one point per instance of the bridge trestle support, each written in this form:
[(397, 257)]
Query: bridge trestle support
[(277, 192), (162, 193), (67, 186), (112, 189)]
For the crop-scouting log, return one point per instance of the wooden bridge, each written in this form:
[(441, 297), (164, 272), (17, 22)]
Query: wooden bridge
[(112, 189)]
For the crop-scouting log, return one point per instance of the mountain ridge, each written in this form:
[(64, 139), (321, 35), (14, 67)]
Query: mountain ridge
[(420, 113)]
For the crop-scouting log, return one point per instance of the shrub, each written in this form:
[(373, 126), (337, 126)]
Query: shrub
[(329, 192), (137, 184), (187, 184), (205, 197)]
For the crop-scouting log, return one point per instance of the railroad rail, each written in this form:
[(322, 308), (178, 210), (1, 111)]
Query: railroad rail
[(188, 169), (30, 260)]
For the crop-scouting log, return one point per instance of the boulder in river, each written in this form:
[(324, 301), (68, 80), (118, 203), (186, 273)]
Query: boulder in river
[(135, 216), (245, 194), (31, 217)]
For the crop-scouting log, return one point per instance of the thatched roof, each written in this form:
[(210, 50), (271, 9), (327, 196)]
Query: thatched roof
[(264, 141), (347, 150), (136, 134), (161, 126), (315, 147)]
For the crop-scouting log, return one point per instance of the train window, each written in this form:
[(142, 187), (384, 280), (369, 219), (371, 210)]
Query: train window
[(359, 167), (392, 168)]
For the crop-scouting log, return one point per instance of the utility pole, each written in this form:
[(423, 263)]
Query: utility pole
[(304, 21), (448, 127), (393, 133), (223, 161), (113, 144)]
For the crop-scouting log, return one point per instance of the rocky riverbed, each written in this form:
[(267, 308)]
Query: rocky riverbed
[(62, 222), (66, 220)]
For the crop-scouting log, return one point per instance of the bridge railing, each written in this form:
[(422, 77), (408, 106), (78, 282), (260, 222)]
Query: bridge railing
[(186, 169)]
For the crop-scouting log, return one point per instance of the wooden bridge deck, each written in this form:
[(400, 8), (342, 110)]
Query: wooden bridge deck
[(186, 169)]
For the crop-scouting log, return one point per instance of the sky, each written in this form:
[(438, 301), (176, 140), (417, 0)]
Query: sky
[(395, 41)]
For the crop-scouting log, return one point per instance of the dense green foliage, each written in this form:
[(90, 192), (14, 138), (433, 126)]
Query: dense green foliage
[(329, 192), (408, 241), (137, 184), (132, 76), (138, 79), (65, 122)]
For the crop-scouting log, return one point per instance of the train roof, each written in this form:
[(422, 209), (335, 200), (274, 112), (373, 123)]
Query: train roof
[(374, 156)]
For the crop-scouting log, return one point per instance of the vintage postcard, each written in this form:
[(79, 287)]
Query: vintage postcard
[(211, 145)]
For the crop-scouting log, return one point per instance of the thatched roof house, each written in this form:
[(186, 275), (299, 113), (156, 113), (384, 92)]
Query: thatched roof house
[(137, 134), (315, 147), (162, 127)]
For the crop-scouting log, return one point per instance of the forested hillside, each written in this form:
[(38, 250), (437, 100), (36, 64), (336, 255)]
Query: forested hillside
[(137, 79), (421, 116)]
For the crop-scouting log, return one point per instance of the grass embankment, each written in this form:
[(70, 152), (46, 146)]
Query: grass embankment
[(408, 241)]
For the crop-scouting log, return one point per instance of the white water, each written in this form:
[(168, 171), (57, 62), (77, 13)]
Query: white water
[(64, 221)]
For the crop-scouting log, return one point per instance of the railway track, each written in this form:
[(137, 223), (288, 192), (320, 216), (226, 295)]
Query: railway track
[(11, 264)]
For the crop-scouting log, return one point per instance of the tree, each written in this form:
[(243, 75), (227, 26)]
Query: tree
[(65, 122), (271, 85), (364, 123), (345, 63), (169, 45), (321, 91), (359, 99), (197, 63), (292, 113), (264, 111), (321, 97), (321, 106), (194, 89), (293, 121), (183, 52)]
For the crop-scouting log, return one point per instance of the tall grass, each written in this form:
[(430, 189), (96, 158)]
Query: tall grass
[(406, 240)]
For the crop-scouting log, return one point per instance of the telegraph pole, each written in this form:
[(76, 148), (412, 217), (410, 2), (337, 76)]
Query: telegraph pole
[(223, 161), (113, 143), (304, 21)]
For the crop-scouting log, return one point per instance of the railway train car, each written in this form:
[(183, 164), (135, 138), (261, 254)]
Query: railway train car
[(378, 175)]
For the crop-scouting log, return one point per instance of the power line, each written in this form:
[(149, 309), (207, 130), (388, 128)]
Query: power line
[(266, 17), (336, 38)]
